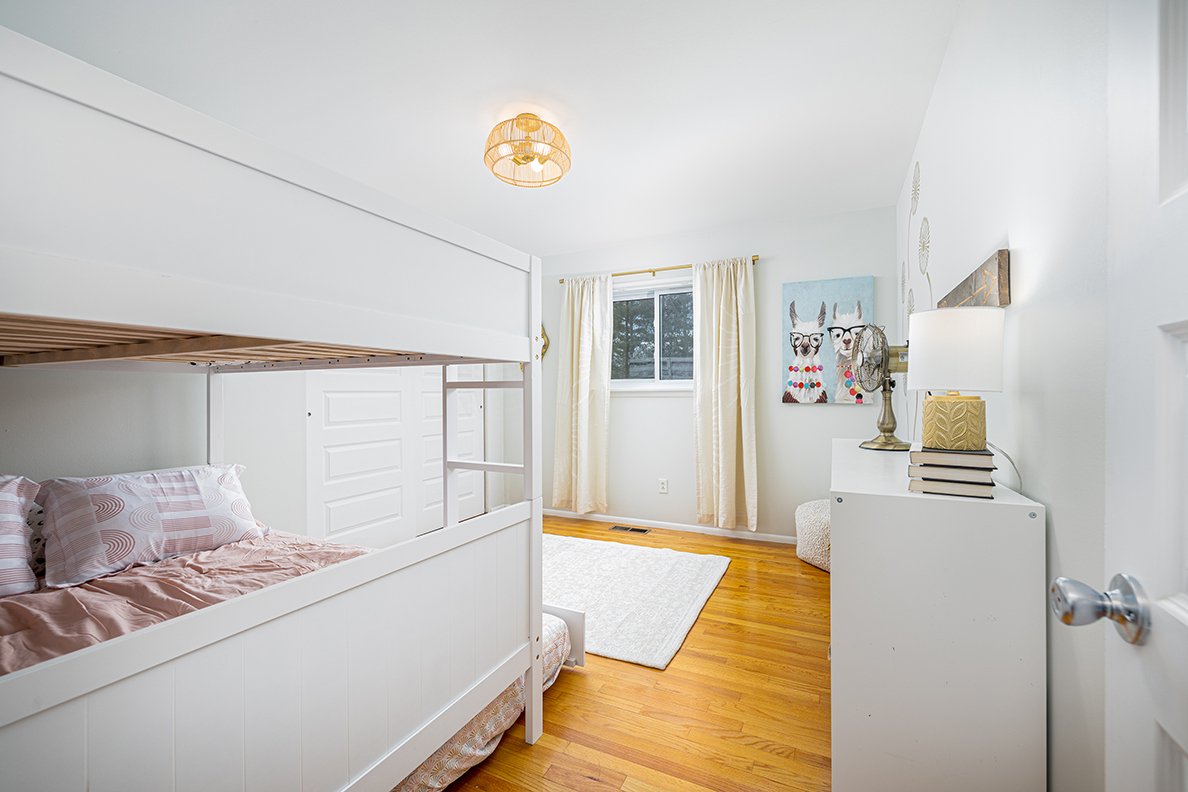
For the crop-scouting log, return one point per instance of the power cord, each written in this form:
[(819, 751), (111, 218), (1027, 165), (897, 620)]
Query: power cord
[(1018, 475)]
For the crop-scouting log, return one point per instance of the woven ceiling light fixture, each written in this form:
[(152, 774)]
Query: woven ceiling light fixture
[(527, 152)]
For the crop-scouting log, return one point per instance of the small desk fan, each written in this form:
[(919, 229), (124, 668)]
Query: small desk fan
[(877, 363)]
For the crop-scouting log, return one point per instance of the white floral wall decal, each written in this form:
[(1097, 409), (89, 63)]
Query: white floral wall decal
[(906, 297), (915, 190), (925, 247)]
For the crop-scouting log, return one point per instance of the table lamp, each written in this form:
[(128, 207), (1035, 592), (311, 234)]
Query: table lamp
[(954, 350)]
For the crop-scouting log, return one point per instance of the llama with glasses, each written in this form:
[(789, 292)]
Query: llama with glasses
[(843, 334), (805, 382)]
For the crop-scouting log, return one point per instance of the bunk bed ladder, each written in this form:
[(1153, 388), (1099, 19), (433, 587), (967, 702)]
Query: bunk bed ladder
[(452, 465)]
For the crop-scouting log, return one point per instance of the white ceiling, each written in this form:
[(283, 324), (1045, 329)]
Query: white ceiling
[(681, 114)]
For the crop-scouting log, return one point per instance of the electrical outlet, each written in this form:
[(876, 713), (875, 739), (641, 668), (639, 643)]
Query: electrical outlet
[(663, 486)]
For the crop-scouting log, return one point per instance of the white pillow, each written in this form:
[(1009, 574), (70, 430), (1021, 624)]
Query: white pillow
[(103, 524)]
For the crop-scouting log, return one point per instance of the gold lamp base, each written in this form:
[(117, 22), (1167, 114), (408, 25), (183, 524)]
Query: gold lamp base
[(886, 441), (954, 422)]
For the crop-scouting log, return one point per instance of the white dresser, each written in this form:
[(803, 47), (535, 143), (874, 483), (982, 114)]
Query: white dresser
[(938, 634)]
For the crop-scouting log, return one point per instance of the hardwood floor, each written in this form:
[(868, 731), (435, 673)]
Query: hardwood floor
[(743, 706)]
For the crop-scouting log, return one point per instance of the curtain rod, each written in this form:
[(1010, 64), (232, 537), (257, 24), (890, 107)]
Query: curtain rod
[(654, 270)]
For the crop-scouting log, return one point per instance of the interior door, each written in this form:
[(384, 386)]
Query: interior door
[(1146, 478), (471, 442)]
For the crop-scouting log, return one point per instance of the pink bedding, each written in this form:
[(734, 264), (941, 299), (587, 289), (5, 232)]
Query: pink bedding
[(53, 622)]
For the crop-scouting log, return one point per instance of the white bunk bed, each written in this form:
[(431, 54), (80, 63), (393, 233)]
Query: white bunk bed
[(134, 228)]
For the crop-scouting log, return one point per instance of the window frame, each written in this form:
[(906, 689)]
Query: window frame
[(655, 288)]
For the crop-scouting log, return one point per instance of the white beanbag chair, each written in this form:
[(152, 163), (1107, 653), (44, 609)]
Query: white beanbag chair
[(812, 533)]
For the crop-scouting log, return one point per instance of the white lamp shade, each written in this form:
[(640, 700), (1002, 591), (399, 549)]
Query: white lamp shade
[(957, 349)]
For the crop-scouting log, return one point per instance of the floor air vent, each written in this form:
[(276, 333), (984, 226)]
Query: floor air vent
[(629, 529)]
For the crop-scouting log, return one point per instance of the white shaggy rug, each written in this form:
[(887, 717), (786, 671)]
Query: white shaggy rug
[(640, 602)]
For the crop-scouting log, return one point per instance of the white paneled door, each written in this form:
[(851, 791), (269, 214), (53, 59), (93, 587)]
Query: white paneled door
[(373, 454), (1146, 726)]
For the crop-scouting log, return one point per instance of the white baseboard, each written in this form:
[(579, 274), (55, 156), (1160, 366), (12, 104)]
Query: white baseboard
[(701, 529)]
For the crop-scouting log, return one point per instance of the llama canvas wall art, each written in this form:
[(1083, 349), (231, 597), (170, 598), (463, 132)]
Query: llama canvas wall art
[(821, 320)]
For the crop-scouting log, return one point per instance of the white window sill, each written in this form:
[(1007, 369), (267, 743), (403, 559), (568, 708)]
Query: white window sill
[(652, 389)]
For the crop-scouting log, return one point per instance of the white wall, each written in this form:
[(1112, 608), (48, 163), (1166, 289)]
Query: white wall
[(652, 435), (100, 418), (1012, 153), (89, 419), (264, 426)]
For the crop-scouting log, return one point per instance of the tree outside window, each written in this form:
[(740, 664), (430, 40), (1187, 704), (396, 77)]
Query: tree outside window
[(653, 335)]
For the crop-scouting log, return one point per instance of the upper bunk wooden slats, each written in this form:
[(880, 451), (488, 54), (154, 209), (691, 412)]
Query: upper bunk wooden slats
[(26, 341)]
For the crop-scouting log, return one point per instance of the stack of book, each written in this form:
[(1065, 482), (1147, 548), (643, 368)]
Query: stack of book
[(940, 472)]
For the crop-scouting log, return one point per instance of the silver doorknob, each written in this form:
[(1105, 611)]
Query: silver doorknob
[(1076, 603)]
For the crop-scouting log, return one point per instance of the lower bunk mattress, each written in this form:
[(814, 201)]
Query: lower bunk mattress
[(52, 622)]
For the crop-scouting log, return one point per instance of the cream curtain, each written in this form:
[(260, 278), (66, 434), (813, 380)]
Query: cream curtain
[(583, 395), (724, 382)]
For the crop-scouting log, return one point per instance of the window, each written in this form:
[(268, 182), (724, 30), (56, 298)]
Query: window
[(653, 335)]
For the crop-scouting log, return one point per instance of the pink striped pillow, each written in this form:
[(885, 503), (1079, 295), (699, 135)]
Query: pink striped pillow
[(16, 498), (103, 524)]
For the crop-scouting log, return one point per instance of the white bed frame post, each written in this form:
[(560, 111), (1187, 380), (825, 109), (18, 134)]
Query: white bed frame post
[(214, 416), (533, 486), (449, 474)]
